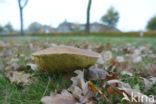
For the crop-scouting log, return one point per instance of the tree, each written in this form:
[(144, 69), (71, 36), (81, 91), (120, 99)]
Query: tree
[(152, 23), (111, 18), (34, 27), (1, 28), (21, 5), (88, 17), (8, 28)]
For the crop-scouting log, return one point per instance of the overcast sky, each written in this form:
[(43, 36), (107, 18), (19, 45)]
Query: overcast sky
[(134, 14)]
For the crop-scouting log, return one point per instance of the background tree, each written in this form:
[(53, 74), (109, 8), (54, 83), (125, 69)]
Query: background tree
[(111, 18), (152, 23), (1, 28), (34, 27), (21, 5), (8, 28), (88, 17)]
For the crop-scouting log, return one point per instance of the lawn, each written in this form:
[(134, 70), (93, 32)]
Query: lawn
[(21, 48)]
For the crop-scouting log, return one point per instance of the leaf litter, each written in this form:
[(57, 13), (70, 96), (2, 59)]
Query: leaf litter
[(83, 89)]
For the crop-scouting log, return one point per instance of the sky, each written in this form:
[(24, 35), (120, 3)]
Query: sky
[(134, 14)]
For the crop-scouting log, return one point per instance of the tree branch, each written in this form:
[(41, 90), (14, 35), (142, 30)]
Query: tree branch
[(26, 2), (20, 3)]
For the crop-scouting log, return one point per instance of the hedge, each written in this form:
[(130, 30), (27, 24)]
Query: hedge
[(109, 34)]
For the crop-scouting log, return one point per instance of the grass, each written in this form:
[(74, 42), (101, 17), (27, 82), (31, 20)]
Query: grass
[(94, 39), (32, 94)]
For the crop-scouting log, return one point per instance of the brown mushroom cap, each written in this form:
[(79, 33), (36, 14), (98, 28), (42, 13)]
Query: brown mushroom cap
[(64, 58), (66, 50)]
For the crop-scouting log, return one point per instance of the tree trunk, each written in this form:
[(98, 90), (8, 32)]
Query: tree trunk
[(21, 21), (88, 17), (21, 7)]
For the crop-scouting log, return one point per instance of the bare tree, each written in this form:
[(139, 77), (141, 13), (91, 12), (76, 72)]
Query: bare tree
[(22, 4), (88, 17)]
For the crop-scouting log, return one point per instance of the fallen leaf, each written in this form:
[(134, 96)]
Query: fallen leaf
[(93, 88), (77, 92), (105, 57), (95, 73), (4, 45), (151, 70), (19, 78), (111, 76), (136, 58), (128, 49), (126, 73), (120, 59), (148, 83), (118, 83), (81, 89), (99, 48), (13, 67), (64, 98), (78, 81), (34, 67), (84, 45)]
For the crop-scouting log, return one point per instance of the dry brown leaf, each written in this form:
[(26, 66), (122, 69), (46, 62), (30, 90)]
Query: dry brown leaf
[(4, 45), (113, 85), (126, 66), (151, 69), (75, 97), (84, 45), (129, 49), (83, 97), (95, 73), (114, 62), (120, 59), (34, 67), (111, 76), (78, 81), (148, 83), (19, 78), (93, 88), (77, 92), (64, 98), (81, 89), (126, 73), (118, 83), (105, 57), (13, 67), (99, 48), (113, 91)]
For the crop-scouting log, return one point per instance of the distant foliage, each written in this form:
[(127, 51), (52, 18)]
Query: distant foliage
[(110, 18), (34, 27), (152, 24), (1, 29), (8, 28)]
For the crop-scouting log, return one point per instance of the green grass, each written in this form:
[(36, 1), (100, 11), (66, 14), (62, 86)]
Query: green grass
[(70, 39), (32, 94)]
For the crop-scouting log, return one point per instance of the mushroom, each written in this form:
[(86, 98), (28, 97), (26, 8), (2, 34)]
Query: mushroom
[(64, 58)]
